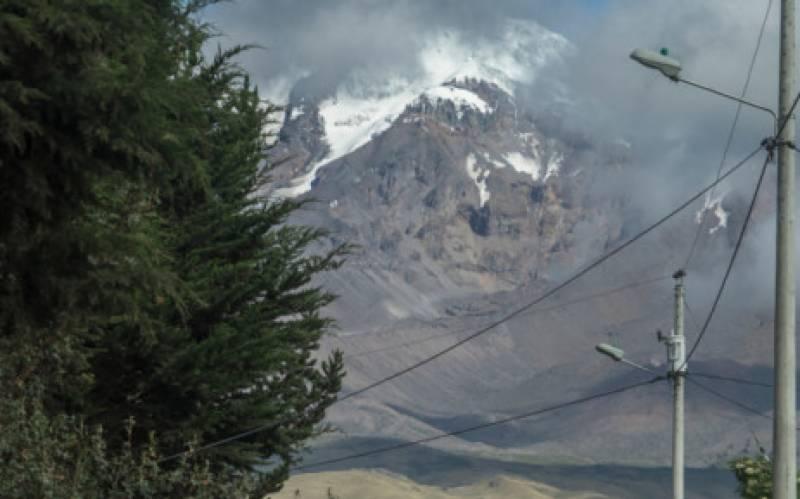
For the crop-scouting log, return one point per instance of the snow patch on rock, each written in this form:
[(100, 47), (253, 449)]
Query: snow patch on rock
[(366, 105), (296, 112), (461, 98), (479, 174), (524, 164), (554, 165), (496, 162)]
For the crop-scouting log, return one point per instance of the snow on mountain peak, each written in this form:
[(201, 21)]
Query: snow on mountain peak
[(367, 104), (460, 97), (515, 58)]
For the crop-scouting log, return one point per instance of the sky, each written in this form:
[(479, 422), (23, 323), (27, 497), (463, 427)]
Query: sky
[(605, 90), (677, 133)]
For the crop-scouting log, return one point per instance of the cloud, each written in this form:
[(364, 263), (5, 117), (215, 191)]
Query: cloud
[(607, 91), (677, 132)]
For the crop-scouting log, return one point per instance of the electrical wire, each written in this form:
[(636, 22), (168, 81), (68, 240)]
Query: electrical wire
[(692, 316), (730, 400), (734, 124), (509, 419), (788, 116), (732, 379), (585, 270), (640, 318), (556, 306), (732, 260)]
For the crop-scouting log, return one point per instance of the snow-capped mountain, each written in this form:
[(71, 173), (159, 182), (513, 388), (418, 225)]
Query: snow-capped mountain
[(465, 204), (367, 104)]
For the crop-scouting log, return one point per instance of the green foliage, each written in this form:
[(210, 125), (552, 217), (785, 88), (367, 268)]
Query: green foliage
[(754, 475), (80, 84), (239, 355), (143, 274), (60, 457), (86, 98)]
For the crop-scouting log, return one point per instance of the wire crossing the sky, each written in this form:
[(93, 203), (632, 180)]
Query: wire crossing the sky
[(557, 306), (732, 260), (734, 124), (503, 421), (727, 399), (732, 379), (730, 400), (585, 270), (578, 275)]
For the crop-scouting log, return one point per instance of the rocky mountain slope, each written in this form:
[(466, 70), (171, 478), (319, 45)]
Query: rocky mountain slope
[(465, 206)]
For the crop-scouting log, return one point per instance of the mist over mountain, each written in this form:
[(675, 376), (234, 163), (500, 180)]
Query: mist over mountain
[(478, 164)]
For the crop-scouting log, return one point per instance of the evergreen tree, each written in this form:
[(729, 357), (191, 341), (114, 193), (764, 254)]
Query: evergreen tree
[(87, 100), (240, 356), (143, 273)]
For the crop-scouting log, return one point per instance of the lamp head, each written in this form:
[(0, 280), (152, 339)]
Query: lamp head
[(668, 66), (615, 353)]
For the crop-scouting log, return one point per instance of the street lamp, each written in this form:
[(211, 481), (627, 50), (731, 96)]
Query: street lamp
[(671, 68), (676, 356), (618, 355)]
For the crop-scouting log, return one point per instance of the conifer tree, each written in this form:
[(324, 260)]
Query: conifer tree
[(143, 273), (87, 93), (238, 353)]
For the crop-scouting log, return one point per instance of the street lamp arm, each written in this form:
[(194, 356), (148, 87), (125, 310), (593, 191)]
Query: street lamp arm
[(731, 97), (618, 355), (671, 68), (638, 366)]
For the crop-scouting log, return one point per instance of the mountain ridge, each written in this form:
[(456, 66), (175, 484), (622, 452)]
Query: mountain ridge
[(464, 207)]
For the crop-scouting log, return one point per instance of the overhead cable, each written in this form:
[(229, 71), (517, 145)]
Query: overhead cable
[(734, 124), (537, 412), (579, 274), (727, 399), (585, 270), (731, 261), (732, 379), (557, 306)]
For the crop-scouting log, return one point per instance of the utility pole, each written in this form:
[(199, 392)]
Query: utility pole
[(676, 356), (784, 471)]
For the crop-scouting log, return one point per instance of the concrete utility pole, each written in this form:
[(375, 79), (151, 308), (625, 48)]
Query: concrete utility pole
[(676, 355), (784, 483), (676, 358)]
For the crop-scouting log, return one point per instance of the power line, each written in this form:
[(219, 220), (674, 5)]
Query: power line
[(730, 400), (692, 316), (585, 270), (517, 417), (640, 318), (732, 379), (734, 124), (788, 115), (556, 306), (732, 260), (537, 412)]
